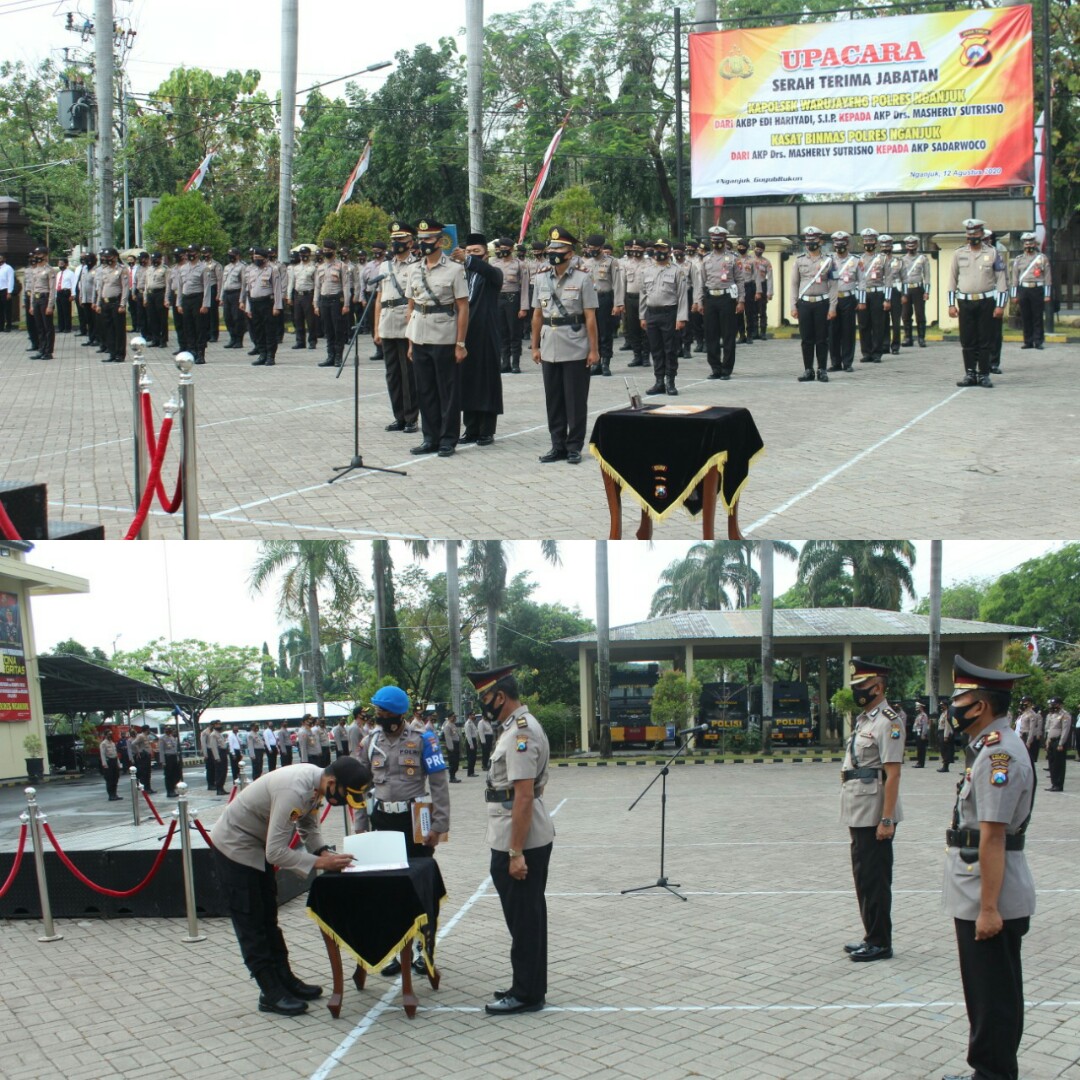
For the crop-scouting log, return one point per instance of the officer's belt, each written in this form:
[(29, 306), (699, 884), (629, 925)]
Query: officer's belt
[(731, 290), (392, 807), (1031, 285), (975, 295), (38, 295), (332, 296), (498, 795), (876, 288), (299, 292), (969, 838), (812, 299), (384, 304), (558, 320), (666, 310), (232, 288), (841, 295), (504, 297), (162, 289), (910, 287), (865, 774), (435, 309)]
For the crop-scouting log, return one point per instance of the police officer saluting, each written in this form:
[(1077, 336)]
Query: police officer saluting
[(978, 291), (870, 806), (989, 890), (520, 835), (1031, 289), (814, 289)]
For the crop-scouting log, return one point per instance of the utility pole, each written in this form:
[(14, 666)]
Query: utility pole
[(933, 660), (103, 86), (474, 58), (290, 28)]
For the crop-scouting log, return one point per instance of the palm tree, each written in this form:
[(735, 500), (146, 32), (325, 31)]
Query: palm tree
[(879, 570), (714, 575), (306, 566)]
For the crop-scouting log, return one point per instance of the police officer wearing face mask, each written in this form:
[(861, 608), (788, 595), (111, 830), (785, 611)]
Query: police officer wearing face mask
[(870, 806), (609, 281), (916, 285), (232, 285), (391, 317), (989, 890), (41, 298), (873, 298), (845, 272), (1031, 289), (405, 766), (894, 284), (333, 294), (157, 324), (263, 298), (663, 316), (252, 837), (111, 304), (978, 292), (718, 293), (511, 308), (193, 303), (520, 835), (633, 266), (814, 289)]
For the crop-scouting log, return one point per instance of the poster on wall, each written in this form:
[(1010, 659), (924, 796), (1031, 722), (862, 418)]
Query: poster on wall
[(14, 688), (932, 102)]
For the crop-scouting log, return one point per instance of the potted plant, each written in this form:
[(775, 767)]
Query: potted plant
[(35, 763)]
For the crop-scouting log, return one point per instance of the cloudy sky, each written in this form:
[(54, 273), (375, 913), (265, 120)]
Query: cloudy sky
[(141, 591)]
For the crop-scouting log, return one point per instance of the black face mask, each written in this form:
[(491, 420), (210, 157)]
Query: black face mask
[(863, 696), (660, 256), (557, 258), (428, 246), (840, 246), (868, 246), (503, 253), (813, 245), (399, 247), (718, 245), (636, 254), (591, 253), (975, 241), (491, 710), (960, 715), (260, 262)]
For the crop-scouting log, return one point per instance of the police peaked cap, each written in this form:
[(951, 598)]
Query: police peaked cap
[(558, 235), (503, 242), (483, 681), (402, 228), (966, 676), (429, 225), (861, 670), (595, 239)]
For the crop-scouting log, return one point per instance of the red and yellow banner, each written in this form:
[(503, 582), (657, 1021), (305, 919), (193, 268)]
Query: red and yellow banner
[(906, 103)]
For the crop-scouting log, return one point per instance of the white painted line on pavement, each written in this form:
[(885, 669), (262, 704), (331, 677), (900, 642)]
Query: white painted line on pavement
[(729, 893), (829, 477), (365, 1022)]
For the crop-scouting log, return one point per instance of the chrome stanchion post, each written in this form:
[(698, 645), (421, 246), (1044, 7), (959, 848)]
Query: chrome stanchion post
[(183, 816), (33, 816), (188, 464), (136, 789), (347, 811), (242, 782), (140, 381)]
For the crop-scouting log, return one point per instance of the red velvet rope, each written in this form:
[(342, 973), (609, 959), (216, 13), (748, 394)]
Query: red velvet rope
[(170, 506), (118, 894), (232, 794), (325, 814), (152, 480), (203, 833), (6, 527), (153, 808), (17, 863)]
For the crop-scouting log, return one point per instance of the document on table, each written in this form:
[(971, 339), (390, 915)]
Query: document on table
[(376, 851)]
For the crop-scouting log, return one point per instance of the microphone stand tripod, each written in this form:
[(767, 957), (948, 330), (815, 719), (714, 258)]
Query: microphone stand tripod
[(662, 881), (353, 346)]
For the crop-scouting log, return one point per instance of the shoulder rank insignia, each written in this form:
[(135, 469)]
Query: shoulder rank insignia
[(522, 746), (992, 739), (999, 769), (522, 722), (888, 712)]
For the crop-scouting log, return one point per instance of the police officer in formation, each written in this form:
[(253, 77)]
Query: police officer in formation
[(748, 265), (172, 297), (85, 286), (232, 286), (1029, 726), (564, 344), (978, 293), (262, 299), (873, 293), (664, 314), (845, 272), (632, 267), (111, 291), (217, 275), (41, 300), (110, 764), (759, 320), (169, 760), (333, 294), (390, 320), (989, 890), (997, 329), (894, 278), (511, 309), (1031, 289), (1058, 730), (196, 281), (682, 263), (438, 316), (915, 278), (609, 281), (156, 322), (814, 306), (300, 298), (870, 806), (520, 835), (720, 286)]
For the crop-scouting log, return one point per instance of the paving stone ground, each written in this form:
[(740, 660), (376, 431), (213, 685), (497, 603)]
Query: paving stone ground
[(268, 438), (744, 980)]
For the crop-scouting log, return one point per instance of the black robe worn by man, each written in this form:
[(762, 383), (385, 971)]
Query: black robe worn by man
[(481, 386)]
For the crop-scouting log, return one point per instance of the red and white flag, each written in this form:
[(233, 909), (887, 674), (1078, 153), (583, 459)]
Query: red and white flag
[(1040, 183), (199, 175), (541, 178), (1033, 649), (354, 176)]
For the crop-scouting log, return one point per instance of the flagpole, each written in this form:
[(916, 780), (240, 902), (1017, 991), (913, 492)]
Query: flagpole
[(474, 53), (1048, 216), (290, 18)]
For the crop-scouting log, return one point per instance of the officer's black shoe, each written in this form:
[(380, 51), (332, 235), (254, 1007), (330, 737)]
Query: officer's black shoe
[(969, 379), (836, 367), (656, 388), (605, 366), (302, 990), (725, 375), (418, 964), (553, 455), (271, 362), (1039, 347), (501, 994), (253, 352), (115, 798), (686, 354), (895, 350), (594, 370), (200, 359), (807, 375), (328, 362), (104, 359), (944, 768), (871, 952), (399, 425), (504, 369), (922, 343), (625, 348), (515, 368), (822, 375), (907, 343), (446, 451), (464, 440), (313, 345), (715, 375), (848, 367), (854, 946), (985, 381), (455, 780), (636, 362), (1027, 345), (35, 356), (508, 1005), (297, 346), (259, 362), (995, 370), (960, 1076), (86, 344), (281, 1002), (699, 346), (741, 340), (573, 457), (424, 448), (392, 969), (669, 386), (409, 429)]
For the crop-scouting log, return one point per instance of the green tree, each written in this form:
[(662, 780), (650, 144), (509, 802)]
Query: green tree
[(879, 570), (71, 647), (959, 601), (675, 699), (576, 209), (179, 220), (215, 674), (305, 566), (355, 225)]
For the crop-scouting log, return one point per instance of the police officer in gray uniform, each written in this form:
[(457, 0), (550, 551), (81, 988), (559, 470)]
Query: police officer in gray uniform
[(718, 291), (870, 806), (845, 273), (252, 837), (232, 280), (610, 283), (1058, 728), (110, 764), (873, 298), (193, 303), (1029, 726), (814, 306), (1031, 289), (916, 290), (632, 266), (389, 328), (664, 313), (520, 835), (988, 888), (169, 760), (513, 297), (978, 292), (564, 344)]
